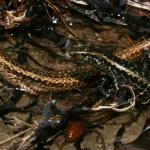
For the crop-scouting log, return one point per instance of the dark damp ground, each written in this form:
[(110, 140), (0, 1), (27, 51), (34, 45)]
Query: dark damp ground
[(48, 50)]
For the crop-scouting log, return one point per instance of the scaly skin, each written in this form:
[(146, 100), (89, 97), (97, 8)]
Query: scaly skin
[(122, 74), (35, 81)]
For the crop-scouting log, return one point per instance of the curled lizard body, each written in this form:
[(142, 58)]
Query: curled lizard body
[(122, 74), (134, 52), (36, 81)]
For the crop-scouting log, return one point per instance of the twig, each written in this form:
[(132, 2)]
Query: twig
[(56, 10), (115, 105), (21, 121), (133, 100), (15, 136)]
